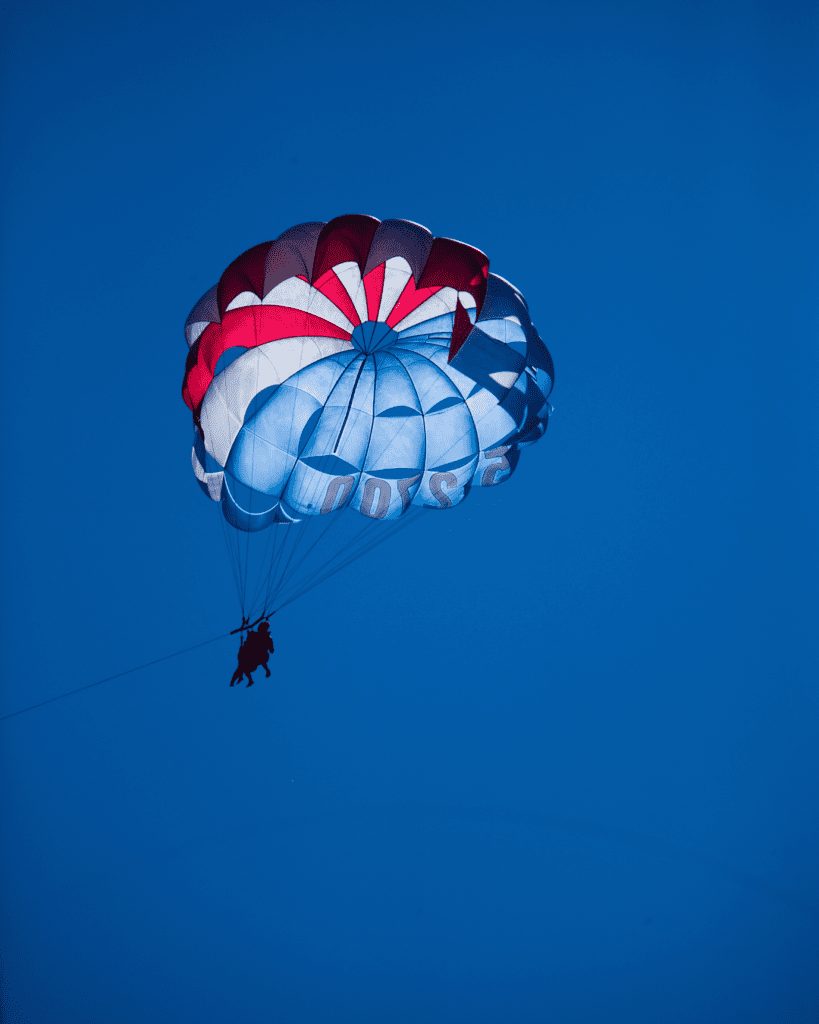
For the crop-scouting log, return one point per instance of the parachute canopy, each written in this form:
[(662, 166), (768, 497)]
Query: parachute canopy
[(362, 364)]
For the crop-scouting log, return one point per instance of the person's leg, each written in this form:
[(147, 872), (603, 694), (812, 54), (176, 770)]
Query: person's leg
[(237, 675), (249, 678)]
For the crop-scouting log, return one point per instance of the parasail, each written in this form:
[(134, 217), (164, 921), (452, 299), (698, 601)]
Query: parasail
[(356, 365)]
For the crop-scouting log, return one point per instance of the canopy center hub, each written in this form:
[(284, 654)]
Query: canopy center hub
[(372, 335)]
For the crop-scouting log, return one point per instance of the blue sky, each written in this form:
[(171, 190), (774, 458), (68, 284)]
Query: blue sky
[(550, 755)]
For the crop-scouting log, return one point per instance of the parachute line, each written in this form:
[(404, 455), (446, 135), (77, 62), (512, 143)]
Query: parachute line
[(312, 581), (234, 562), (262, 576), (119, 675), (345, 547), (287, 576)]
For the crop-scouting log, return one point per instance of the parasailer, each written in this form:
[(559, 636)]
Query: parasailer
[(357, 365), (254, 652)]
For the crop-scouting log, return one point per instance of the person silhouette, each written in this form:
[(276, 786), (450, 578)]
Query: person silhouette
[(254, 652)]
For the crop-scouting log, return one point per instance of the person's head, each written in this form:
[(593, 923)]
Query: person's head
[(265, 626)]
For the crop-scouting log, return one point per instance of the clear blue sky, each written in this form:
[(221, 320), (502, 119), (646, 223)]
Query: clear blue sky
[(549, 756)]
